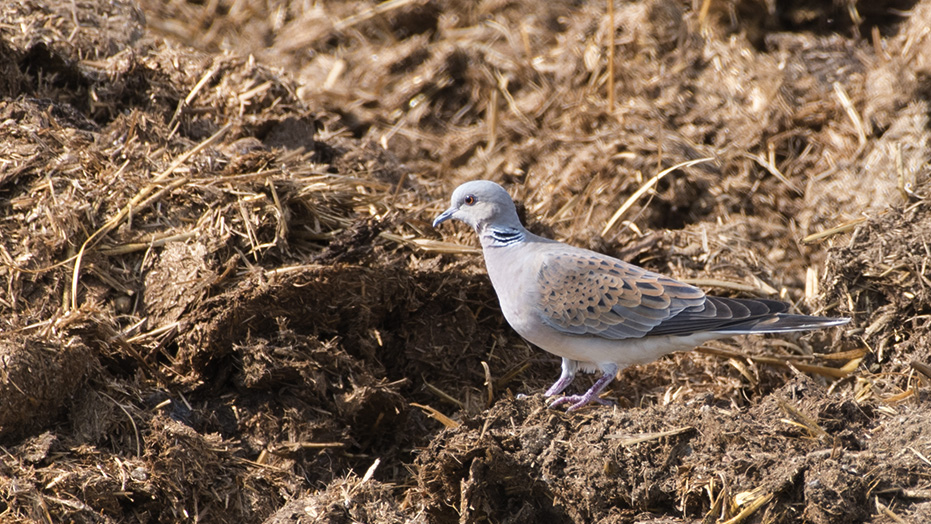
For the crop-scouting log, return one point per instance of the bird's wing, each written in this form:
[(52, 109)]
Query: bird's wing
[(587, 293)]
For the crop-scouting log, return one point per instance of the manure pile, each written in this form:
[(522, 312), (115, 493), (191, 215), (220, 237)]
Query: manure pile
[(221, 299)]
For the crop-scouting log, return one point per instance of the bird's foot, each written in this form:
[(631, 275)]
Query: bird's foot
[(577, 401)]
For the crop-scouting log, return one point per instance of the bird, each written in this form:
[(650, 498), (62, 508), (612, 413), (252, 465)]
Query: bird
[(596, 312)]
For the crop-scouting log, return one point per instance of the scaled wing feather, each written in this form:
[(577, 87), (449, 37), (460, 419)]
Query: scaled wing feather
[(586, 293)]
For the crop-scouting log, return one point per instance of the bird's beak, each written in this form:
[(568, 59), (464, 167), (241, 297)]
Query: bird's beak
[(444, 216)]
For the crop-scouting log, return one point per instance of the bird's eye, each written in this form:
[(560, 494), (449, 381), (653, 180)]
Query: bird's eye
[(469, 200)]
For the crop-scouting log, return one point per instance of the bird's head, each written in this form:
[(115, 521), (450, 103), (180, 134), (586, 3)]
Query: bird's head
[(480, 204)]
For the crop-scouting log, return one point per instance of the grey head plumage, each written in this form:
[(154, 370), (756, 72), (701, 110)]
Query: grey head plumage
[(481, 204)]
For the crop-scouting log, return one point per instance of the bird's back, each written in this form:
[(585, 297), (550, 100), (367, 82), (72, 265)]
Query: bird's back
[(543, 284)]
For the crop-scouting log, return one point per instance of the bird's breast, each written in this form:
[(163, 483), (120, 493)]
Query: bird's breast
[(513, 279)]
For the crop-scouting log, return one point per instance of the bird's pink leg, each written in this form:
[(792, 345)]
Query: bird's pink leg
[(569, 368)]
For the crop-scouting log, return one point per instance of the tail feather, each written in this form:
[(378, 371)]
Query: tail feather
[(741, 316), (782, 323)]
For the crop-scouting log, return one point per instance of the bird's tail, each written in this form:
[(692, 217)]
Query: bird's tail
[(783, 323)]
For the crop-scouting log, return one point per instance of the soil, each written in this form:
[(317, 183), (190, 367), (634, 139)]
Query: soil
[(221, 299)]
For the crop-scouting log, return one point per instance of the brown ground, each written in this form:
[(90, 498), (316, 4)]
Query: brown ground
[(221, 298)]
